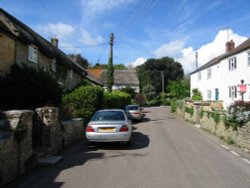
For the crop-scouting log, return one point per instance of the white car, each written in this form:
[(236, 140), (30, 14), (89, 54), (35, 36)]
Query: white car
[(109, 126)]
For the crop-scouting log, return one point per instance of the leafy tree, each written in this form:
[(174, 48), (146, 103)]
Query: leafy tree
[(149, 92), (179, 89), (80, 60), (150, 72)]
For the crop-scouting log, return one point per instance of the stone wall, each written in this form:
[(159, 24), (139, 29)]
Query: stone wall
[(17, 155), (15, 151), (206, 121)]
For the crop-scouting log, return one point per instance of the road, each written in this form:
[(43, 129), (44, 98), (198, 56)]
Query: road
[(166, 152)]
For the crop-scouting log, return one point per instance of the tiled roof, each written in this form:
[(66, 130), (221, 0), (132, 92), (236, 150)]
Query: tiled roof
[(243, 46)]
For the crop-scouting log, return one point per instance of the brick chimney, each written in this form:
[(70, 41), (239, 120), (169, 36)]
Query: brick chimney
[(230, 45), (54, 42)]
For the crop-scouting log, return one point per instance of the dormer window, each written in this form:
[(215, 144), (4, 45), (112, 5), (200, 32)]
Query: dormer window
[(53, 65), (33, 54), (232, 63)]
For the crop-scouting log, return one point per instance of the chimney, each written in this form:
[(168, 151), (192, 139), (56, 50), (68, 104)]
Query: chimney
[(54, 42), (230, 45)]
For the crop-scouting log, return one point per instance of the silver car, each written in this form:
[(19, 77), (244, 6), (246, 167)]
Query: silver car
[(109, 126), (134, 112)]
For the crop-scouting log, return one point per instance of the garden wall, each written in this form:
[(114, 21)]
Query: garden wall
[(209, 116), (17, 152)]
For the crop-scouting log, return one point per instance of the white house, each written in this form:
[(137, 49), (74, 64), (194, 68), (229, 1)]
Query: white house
[(225, 76)]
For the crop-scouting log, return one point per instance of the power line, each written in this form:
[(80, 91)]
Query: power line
[(125, 26), (145, 52)]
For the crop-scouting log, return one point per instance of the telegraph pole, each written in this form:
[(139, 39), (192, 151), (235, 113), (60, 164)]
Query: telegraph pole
[(110, 71)]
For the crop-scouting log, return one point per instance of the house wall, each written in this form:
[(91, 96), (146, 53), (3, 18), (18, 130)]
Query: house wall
[(205, 83), (7, 54), (72, 79), (234, 77), (22, 57), (223, 78), (119, 86)]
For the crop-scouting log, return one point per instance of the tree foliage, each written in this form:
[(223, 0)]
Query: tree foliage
[(197, 96), (179, 89), (150, 72), (116, 66), (128, 90), (28, 88)]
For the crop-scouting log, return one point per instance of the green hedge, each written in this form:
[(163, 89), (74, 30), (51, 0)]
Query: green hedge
[(116, 99), (28, 88), (85, 100)]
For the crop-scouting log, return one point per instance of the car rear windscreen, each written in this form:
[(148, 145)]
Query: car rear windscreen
[(108, 116)]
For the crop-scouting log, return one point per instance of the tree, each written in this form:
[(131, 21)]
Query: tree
[(105, 66), (197, 96), (179, 89), (150, 72), (80, 60), (128, 90)]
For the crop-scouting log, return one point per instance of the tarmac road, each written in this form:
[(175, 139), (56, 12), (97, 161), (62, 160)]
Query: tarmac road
[(166, 152)]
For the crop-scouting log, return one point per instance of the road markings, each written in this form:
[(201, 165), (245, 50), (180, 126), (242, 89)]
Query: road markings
[(246, 160), (227, 148), (236, 154)]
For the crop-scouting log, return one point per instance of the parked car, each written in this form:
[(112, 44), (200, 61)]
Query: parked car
[(109, 126), (134, 112)]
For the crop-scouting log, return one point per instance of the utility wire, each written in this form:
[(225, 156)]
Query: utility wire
[(125, 26)]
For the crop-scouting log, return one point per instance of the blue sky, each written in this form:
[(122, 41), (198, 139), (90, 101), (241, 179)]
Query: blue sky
[(143, 28)]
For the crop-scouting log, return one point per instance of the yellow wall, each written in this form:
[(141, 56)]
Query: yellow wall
[(7, 53)]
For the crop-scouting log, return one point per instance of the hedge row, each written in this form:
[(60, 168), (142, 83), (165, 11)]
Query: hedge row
[(116, 99), (86, 100)]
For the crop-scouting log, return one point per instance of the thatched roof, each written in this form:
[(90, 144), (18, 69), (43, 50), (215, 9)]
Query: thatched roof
[(123, 77), (18, 30)]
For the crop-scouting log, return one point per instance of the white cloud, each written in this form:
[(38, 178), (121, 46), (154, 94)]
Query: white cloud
[(100, 6), (87, 39), (208, 51), (137, 62), (171, 49), (60, 30)]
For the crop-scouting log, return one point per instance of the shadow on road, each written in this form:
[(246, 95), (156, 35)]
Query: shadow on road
[(139, 141), (42, 177)]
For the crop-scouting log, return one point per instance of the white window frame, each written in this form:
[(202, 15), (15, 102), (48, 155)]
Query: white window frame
[(232, 63), (209, 73), (209, 94), (248, 58), (33, 54), (71, 74), (199, 76), (233, 92), (53, 65)]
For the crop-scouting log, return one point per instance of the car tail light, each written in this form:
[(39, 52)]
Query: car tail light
[(124, 128), (89, 129), (136, 112)]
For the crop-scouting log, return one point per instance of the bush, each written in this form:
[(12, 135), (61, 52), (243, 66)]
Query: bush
[(128, 90), (196, 95), (238, 114), (85, 101), (116, 99), (149, 92), (173, 106), (139, 99), (27, 88)]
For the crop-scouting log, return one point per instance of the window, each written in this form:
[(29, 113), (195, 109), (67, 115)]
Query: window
[(248, 56), (232, 63), (199, 76), (33, 54), (209, 73), (71, 73), (233, 92), (53, 65), (209, 94)]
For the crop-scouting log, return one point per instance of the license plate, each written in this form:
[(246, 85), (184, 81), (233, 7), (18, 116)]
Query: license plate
[(106, 130)]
